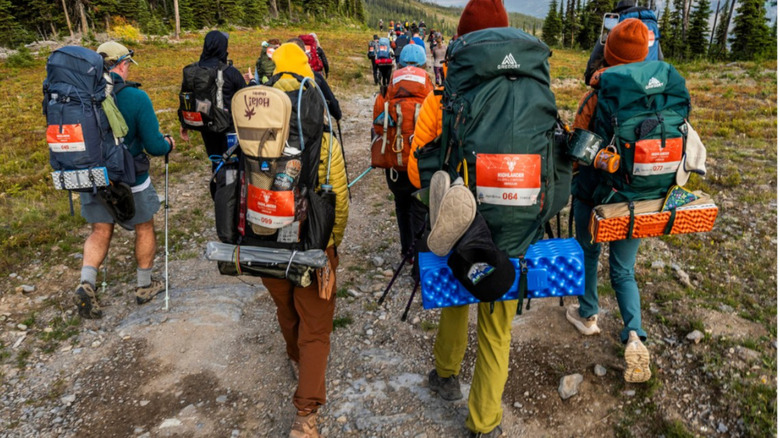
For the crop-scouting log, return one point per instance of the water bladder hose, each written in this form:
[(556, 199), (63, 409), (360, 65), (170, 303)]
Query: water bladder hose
[(327, 187)]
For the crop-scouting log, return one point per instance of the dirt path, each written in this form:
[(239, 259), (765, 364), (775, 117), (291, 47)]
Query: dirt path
[(214, 365)]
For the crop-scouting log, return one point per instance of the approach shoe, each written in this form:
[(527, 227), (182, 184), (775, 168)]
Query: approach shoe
[(495, 433), (145, 294), (448, 389), (455, 214), (440, 183), (305, 426), (637, 360), (87, 302), (587, 326)]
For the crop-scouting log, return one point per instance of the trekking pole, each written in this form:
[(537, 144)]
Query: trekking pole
[(409, 303), (365, 172), (166, 231), (392, 280)]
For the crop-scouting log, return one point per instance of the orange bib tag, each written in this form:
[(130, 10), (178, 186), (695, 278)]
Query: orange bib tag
[(509, 179), (270, 209), (651, 159), (192, 118), (70, 139)]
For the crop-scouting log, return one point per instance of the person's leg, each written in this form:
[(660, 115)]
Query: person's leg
[(402, 189), (622, 257), (316, 324), (451, 340), (589, 303), (145, 244), (96, 245), (494, 335), (281, 292), (375, 69)]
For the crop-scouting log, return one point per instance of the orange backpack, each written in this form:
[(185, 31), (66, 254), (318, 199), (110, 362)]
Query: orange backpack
[(400, 106)]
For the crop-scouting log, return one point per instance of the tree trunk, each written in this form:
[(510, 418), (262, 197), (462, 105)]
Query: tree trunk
[(84, 24), (289, 8), (726, 29), (685, 11), (273, 9), (714, 24), (67, 18), (177, 30), (53, 29), (108, 21)]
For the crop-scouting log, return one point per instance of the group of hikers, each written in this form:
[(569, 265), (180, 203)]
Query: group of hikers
[(442, 164), (384, 51)]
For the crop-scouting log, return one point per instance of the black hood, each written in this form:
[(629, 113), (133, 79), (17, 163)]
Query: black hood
[(215, 46)]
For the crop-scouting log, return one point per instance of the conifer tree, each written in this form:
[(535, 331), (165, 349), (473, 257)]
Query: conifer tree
[(665, 30), (750, 39), (718, 48), (551, 29), (696, 39), (253, 12)]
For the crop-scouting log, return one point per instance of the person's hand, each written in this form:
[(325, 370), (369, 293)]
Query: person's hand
[(248, 75), (171, 141), (183, 134)]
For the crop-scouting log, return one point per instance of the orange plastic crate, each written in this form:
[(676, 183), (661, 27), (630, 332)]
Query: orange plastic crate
[(689, 219)]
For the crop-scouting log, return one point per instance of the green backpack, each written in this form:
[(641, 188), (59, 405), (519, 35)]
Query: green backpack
[(500, 118), (641, 111)]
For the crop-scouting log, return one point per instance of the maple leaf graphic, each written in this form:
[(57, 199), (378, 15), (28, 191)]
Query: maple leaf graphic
[(249, 113)]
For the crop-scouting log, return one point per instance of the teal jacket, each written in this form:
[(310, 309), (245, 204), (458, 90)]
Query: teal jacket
[(143, 133)]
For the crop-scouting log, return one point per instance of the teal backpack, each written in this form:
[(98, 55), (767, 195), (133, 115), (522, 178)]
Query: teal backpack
[(500, 118), (641, 111)]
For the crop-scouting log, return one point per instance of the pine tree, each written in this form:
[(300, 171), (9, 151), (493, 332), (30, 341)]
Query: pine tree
[(751, 37), (718, 49), (551, 29), (585, 36), (253, 12), (9, 27), (665, 30), (230, 11), (675, 43), (698, 30)]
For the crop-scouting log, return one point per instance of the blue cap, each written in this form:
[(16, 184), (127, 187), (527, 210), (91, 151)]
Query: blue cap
[(412, 54)]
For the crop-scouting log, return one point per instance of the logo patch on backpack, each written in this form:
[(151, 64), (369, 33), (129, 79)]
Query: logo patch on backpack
[(508, 62), (66, 138), (653, 83)]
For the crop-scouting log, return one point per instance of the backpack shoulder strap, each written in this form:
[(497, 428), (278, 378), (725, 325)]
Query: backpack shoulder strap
[(119, 87)]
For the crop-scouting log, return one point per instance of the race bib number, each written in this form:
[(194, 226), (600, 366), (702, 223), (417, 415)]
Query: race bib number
[(192, 118), (651, 159), (70, 138), (270, 209), (371, 49), (270, 52), (412, 75), (509, 179)]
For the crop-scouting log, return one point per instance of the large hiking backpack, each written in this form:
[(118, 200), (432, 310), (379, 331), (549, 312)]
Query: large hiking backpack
[(641, 111), (498, 131), (647, 16), (83, 151), (399, 107), (273, 201), (201, 105), (311, 50), (383, 52)]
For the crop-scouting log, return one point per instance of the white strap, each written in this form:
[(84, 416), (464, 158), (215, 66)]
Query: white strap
[(384, 126), (220, 82)]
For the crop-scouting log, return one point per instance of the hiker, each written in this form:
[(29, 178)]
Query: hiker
[(333, 104), (214, 57), (381, 25), (143, 137), (417, 40), (384, 61), (317, 59), (628, 9), (453, 203), (439, 54), (398, 46), (305, 319), (373, 48), (265, 64), (402, 101), (627, 43)]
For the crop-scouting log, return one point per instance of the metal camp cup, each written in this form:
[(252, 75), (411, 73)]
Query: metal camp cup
[(584, 145)]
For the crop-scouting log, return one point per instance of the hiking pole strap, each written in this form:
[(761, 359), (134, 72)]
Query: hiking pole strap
[(670, 224), (365, 172), (631, 216)]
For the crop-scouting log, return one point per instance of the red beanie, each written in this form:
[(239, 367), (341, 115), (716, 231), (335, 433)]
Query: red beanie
[(627, 42), (482, 14)]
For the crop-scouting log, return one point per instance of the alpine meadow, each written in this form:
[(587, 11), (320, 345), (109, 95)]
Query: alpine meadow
[(214, 364)]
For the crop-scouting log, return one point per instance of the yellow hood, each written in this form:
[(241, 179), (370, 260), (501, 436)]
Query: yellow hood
[(290, 58)]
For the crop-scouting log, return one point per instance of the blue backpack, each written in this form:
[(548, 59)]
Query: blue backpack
[(383, 52), (647, 17), (83, 151)]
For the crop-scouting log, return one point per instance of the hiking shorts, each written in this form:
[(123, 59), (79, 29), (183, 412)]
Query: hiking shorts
[(147, 203)]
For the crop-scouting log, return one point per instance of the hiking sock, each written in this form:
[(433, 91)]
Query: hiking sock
[(144, 277), (89, 275)]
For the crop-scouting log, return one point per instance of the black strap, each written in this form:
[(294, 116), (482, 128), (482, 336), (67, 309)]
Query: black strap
[(571, 218), (670, 224), (522, 287), (630, 220), (124, 84)]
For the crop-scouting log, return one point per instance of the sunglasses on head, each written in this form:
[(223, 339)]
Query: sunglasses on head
[(129, 55)]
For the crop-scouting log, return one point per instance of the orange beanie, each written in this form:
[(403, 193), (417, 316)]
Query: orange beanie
[(482, 14), (627, 42)]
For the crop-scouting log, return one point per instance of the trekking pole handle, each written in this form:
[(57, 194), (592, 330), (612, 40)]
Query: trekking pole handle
[(169, 139)]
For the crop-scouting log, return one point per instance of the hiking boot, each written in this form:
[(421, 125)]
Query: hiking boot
[(305, 426), (86, 301), (448, 389), (145, 294), (495, 433), (440, 183), (455, 214), (587, 326), (637, 360)]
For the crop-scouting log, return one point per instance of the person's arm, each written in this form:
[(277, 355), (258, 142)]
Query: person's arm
[(427, 128), (148, 127), (333, 103), (325, 65), (338, 179), (585, 110)]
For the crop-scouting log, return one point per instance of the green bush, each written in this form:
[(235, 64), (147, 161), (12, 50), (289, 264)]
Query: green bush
[(21, 59)]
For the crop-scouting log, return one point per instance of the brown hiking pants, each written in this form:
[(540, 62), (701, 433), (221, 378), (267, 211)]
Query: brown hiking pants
[(306, 321)]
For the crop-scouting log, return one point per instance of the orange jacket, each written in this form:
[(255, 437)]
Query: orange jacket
[(428, 128), (587, 105)]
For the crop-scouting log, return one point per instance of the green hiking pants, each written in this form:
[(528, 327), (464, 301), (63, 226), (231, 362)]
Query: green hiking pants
[(622, 257), (494, 333)]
